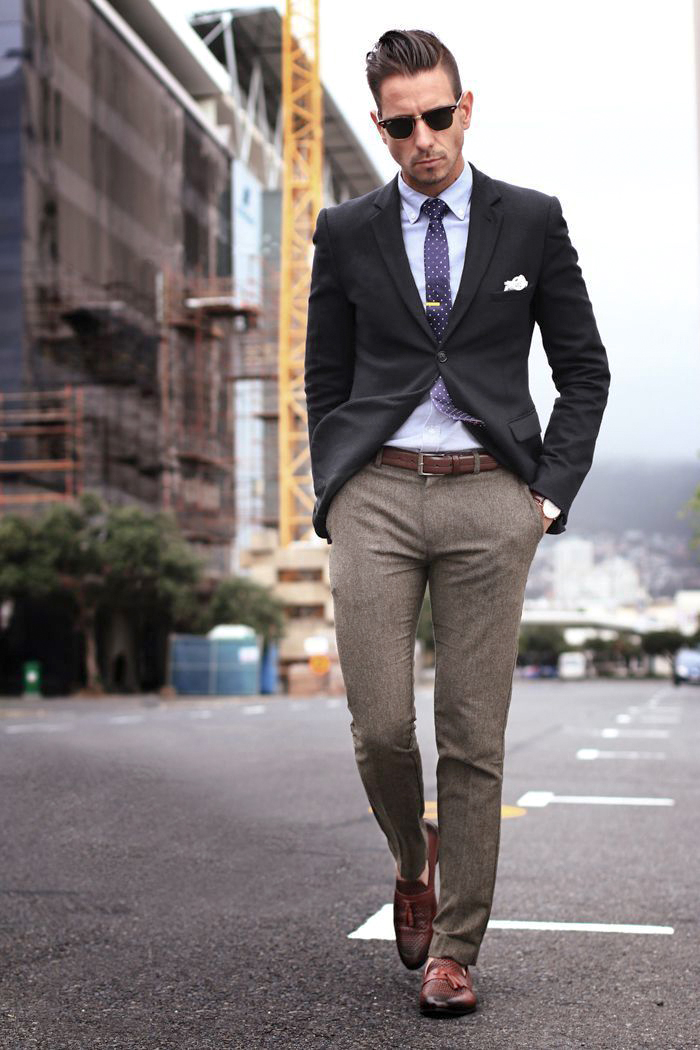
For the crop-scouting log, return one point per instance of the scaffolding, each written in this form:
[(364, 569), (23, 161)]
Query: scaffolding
[(196, 418), (41, 437)]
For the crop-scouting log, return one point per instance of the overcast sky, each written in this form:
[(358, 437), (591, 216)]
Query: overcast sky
[(594, 103)]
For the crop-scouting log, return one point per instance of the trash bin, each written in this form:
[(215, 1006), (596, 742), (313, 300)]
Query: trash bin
[(31, 678)]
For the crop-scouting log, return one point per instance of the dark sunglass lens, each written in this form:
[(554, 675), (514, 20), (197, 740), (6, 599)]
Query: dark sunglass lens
[(439, 119), (400, 127)]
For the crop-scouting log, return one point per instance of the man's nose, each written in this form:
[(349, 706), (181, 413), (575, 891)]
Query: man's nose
[(423, 136)]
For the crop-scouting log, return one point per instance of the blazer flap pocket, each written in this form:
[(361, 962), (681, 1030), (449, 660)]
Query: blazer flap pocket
[(525, 426)]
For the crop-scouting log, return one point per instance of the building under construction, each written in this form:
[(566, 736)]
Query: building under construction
[(140, 306), (141, 202)]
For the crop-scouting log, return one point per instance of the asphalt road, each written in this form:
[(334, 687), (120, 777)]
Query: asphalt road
[(206, 874)]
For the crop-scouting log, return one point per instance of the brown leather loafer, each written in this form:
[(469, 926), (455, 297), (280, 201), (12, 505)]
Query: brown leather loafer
[(414, 913), (446, 989)]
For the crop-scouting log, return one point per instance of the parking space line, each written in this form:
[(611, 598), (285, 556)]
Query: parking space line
[(380, 926), (38, 727), (573, 927), (539, 799), (631, 734), (591, 754)]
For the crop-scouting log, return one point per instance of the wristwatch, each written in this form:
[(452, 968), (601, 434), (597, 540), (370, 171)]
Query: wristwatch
[(549, 509)]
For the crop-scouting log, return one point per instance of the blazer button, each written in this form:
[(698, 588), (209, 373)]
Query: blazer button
[(442, 356)]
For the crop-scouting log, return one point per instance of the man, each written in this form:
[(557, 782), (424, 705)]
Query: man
[(429, 469)]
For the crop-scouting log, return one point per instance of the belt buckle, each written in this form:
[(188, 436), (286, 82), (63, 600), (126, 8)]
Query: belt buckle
[(426, 473)]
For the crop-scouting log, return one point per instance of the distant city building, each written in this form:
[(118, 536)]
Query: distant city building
[(572, 562), (578, 580), (688, 611)]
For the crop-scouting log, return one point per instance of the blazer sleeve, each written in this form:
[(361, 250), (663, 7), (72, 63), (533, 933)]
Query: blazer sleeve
[(579, 367), (330, 333)]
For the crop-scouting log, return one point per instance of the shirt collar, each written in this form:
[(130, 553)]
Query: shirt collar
[(456, 196)]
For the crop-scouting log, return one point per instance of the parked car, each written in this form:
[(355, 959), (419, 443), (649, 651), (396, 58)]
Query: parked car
[(686, 666), (538, 671)]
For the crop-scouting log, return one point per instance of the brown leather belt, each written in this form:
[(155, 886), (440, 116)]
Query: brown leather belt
[(472, 462)]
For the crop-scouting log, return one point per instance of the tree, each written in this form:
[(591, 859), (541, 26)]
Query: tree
[(609, 653), (692, 508), (663, 643), (241, 600), (540, 644), (117, 557)]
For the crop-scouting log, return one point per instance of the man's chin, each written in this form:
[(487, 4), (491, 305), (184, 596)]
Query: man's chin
[(429, 174)]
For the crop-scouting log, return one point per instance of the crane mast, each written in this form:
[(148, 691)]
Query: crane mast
[(301, 202)]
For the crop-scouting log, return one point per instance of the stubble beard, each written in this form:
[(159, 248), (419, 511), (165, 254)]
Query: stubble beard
[(427, 179)]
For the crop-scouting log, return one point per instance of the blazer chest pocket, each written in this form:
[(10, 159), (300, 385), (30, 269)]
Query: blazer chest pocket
[(513, 296), (527, 426)]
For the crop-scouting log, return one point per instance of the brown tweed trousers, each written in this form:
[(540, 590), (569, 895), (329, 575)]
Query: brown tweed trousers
[(471, 539)]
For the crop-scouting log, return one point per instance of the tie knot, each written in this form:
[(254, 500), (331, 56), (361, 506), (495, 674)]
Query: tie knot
[(434, 207)]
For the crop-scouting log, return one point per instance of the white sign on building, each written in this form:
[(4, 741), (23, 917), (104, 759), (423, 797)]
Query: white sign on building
[(247, 234)]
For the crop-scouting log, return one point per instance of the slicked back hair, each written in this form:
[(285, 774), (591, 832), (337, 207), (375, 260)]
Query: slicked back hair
[(407, 52)]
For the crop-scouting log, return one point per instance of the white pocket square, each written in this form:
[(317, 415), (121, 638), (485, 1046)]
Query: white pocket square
[(515, 284)]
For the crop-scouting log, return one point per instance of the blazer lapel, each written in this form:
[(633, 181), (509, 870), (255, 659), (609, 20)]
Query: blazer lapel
[(386, 224), (484, 227), (485, 222)]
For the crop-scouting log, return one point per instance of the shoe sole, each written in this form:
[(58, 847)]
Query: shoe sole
[(438, 1011)]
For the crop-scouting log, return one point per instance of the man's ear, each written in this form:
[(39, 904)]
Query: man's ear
[(465, 106), (375, 120)]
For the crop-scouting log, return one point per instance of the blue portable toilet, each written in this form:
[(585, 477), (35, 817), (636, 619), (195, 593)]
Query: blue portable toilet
[(236, 658), (226, 662)]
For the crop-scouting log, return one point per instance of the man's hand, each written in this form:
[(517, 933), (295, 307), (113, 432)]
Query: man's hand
[(546, 522)]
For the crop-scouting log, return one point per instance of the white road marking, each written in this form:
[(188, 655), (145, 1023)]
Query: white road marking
[(201, 714), (651, 734), (586, 927), (253, 709), (298, 705), (37, 727), (658, 697), (623, 719), (539, 799), (124, 720), (380, 926), (590, 754), (661, 720)]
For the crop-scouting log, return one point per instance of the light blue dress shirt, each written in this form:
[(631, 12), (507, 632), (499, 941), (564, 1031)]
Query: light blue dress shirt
[(427, 429)]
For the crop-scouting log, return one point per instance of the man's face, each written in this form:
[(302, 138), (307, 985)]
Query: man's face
[(430, 160)]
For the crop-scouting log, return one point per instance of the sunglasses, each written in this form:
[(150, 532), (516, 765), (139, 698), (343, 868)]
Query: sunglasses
[(439, 119)]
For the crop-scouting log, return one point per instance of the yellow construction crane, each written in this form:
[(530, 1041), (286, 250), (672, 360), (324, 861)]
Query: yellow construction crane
[(302, 192)]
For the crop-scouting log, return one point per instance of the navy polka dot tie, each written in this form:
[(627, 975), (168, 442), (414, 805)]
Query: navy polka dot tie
[(438, 296)]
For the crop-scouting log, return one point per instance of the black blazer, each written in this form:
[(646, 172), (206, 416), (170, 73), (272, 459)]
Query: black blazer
[(371, 354)]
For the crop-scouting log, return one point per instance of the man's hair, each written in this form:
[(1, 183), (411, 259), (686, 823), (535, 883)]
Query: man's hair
[(407, 52)]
